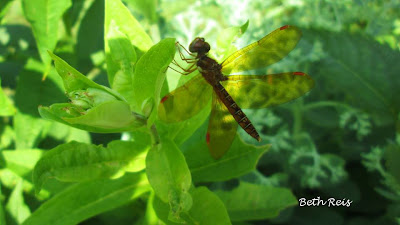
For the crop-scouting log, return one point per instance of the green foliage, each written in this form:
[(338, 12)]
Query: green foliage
[(110, 69), (256, 201)]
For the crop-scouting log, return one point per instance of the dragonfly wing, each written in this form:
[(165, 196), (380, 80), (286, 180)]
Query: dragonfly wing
[(253, 91), (185, 101), (270, 49), (221, 129)]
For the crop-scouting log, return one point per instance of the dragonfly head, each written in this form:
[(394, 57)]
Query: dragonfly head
[(199, 46)]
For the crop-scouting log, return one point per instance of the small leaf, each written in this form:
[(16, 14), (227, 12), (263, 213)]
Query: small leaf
[(123, 57), (84, 200), (74, 80), (44, 17), (100, 119), (256, 201), (29, 130), (116, 11), (22, 162), (207, 209), (240, 159), (77, 162), (16, 206), (6, 107), (149, 74), (169, 175)]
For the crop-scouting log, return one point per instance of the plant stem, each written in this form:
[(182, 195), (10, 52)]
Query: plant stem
[(154, 135)]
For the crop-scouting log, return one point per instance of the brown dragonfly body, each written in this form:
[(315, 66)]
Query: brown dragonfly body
[(211, 71)]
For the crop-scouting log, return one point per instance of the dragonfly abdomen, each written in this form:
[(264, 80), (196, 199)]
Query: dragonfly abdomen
[(236, 111)]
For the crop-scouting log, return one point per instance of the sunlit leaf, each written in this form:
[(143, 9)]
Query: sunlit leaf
[(150, 74), (240, 159), (6, 107), (256, 202), (84, 200), (44, 16), (116, 11), (16, 206), (169, 175), (77, 162), (207, 209)]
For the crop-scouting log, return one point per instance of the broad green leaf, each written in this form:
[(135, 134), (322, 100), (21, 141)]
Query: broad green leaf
[(44, 17), (74, 80), (256, 202), (240, 159), (84, 200), (116, 11), (16, 206), (207, 209), (100, 119), (2, 213), (150, 74), (6, 107), (373, 86), (77, 162), (122, 55), (169, 175), (103, 117)]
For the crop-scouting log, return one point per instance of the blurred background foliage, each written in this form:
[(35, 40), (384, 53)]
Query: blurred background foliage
[(342, 140)]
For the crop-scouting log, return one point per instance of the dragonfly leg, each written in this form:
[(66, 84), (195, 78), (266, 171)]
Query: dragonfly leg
[(186, 72), (188, 60)]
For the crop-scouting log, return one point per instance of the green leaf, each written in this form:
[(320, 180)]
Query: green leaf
[(240, 159), (16, 206), (4, 6), (77, 162), (207, 209), (169, 175), (6, 107), (256, 202), (116, 11), (66, 133), (22, 162), (150, 74), (100, 119), (74, 80), (123, 57), (29, 130), (374, 86), (82, 201), (44, 17)]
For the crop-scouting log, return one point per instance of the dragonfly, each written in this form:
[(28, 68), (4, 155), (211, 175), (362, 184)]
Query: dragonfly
[(230, 94)]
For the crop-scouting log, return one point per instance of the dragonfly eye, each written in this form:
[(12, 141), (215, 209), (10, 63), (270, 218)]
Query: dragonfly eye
[(199, 45)]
